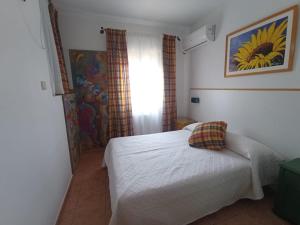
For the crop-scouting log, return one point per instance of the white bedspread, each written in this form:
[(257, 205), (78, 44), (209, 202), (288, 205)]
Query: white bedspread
[(159, 179)]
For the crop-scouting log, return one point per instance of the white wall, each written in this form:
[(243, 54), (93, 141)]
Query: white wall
[(270, 117), (34, 161), (80, 30)]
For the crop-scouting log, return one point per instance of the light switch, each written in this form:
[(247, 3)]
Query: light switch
[(195, 100), (43, 85)]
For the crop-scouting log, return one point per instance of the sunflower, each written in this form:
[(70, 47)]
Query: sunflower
[(264, 48)]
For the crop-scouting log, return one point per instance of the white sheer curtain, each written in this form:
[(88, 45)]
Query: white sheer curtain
[(146, 82)]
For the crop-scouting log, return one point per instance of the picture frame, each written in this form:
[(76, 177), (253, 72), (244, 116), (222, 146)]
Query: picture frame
[(266, 46)]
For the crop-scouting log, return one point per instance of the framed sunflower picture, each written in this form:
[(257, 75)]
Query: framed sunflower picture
[(266, 46)]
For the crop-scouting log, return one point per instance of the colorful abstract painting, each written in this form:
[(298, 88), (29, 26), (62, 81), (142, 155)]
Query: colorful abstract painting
[(263, 47), (90, 85), (72, 126)]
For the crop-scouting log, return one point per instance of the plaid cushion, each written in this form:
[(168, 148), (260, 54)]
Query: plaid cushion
[(209, 135)]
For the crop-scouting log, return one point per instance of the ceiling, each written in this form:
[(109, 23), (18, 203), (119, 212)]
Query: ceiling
[(179, 12)]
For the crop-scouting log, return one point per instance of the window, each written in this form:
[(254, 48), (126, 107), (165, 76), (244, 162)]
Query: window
[(146, 82)]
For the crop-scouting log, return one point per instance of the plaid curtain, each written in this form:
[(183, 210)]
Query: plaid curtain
[(119, 99), (169, 64), (59, 49)]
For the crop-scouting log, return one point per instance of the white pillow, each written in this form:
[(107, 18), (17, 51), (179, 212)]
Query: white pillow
[(191, 126), (244, 146), (264, 161)]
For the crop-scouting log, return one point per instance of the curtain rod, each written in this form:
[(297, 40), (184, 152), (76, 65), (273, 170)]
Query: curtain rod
[(102, 31)]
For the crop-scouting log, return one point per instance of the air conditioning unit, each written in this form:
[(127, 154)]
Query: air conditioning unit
[(199, 37)]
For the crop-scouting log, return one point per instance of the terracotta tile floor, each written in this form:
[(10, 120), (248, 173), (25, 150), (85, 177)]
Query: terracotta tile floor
[(88, 201)]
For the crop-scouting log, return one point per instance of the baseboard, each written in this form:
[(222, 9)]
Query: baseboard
[(63, 200)]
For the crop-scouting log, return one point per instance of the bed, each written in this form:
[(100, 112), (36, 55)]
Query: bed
[(158, 179)]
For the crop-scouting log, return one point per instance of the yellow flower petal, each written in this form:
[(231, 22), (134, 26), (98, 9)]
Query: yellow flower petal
[(258, 37), (244, 52), (278, 31), (264, 36), (278, 42), (272, 55), (282, 26), (253, 41), (271, 31), (248, 47), (238, 59)]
